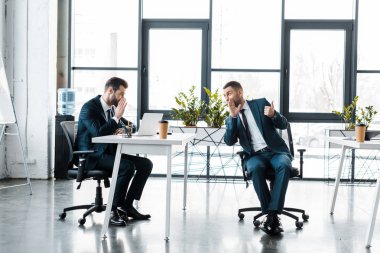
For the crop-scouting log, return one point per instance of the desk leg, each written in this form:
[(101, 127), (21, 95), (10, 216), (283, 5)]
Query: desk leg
[(337, 180), (115, 172), (185, 179), (168, 193), (374, 209)]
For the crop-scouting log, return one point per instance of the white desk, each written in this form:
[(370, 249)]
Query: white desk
[(356, 145), (146, 145)]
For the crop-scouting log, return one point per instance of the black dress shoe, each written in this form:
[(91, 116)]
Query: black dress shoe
[(133, 213), (272, 225), (116, 220), (277, 226)]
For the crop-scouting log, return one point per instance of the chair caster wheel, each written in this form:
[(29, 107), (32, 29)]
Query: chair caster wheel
[(305, 217), (241, 216), (62, 216), (299, 224), (256, 223), (82, 221)]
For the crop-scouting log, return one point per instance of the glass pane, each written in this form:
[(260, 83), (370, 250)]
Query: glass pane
[(255, 85), (180, 9), (175, 62), (319, 9), (367, 86), (368, 35), (310, 136), (105, 33), (88, 84), (316, 70), (251, 39)]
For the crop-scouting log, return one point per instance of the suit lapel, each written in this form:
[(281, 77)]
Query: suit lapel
[(257, 115), (100, 108)]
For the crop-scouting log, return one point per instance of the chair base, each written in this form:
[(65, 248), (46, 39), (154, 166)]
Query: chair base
[(98, 207), (285, 212)]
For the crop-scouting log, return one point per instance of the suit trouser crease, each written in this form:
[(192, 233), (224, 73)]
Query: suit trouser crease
[(257, 166)]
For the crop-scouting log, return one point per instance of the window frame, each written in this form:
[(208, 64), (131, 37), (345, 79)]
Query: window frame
[(348, 89), (147, 24)]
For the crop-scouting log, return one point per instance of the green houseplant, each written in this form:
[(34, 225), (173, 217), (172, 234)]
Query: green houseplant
[(348, 112), (363, 119), (364, 116), (190, 108), (215, 109)]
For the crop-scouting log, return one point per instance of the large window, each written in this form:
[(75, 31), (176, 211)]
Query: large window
[(174, 58), (317, 68), (247, 47), (104, 33), (104, 43), (309, 57), (249, 40), (368, 74)]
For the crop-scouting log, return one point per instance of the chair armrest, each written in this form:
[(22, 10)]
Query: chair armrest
[(81, 164), (301, 151), (241, 154), (245, 176)]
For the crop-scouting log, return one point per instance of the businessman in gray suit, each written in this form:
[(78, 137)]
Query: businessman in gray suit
[(254, 123)]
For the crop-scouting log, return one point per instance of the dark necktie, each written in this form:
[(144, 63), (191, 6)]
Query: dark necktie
[(247, 132), (109, 114)]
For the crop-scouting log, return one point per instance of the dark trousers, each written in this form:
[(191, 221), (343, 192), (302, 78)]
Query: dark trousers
[(257, 166), (138, 168)]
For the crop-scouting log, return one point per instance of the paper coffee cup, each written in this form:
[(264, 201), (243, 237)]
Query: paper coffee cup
[(163, 129)]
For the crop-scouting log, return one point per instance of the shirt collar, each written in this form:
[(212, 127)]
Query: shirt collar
[(245, 106), (104, 105)]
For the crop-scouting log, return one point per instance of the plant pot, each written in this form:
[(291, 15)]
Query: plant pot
[(360, 133)]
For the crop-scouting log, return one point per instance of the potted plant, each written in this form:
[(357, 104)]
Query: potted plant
[(215, 109), (363, 118), (190, 108), (346, 115)]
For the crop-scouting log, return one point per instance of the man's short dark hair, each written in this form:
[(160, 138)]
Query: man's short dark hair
[(115, 83), (234, 85)]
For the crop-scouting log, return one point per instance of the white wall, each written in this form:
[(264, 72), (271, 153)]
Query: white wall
[(2, 144), (30, 47)]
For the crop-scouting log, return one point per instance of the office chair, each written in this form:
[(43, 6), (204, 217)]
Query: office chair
[(80, 174), (270, 176)]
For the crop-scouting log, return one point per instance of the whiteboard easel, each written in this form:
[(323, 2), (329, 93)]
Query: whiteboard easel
[(3, 133), (8, 117)]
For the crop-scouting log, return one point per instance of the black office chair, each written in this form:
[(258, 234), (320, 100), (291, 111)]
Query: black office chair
[(80, 174), (270, 176)]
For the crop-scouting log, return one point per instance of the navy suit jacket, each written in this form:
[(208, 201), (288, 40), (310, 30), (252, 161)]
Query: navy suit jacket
[(92, 123), (235, 129)]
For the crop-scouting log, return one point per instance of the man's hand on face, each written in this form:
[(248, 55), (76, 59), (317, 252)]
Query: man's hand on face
[(269, 110), (119, 111), (234, 111)]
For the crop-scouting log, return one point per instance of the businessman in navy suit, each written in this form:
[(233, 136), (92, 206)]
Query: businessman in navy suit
[(101, 116), (254, 124)]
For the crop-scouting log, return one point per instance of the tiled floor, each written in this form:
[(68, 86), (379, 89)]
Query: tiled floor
[(210, 223)]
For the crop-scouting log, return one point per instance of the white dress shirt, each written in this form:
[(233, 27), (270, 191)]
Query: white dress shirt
[(258, 141), (106, 108)]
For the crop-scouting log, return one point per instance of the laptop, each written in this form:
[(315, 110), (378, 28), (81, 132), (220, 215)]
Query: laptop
[(149, 124)]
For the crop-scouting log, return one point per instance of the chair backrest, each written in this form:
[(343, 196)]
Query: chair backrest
[(70, 130), (287, 136)]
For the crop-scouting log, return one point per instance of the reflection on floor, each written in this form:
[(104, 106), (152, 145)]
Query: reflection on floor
[(210, 223)]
